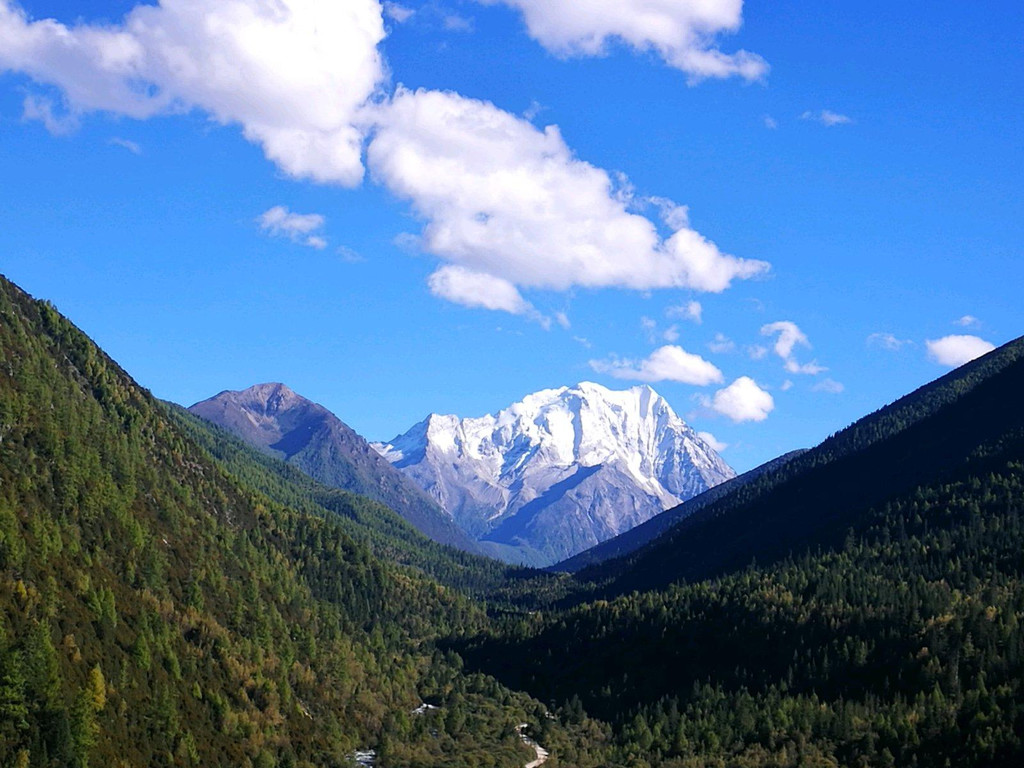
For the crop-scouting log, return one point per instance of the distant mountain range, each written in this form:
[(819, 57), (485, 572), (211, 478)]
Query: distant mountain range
[(277, 420), (559, 471)]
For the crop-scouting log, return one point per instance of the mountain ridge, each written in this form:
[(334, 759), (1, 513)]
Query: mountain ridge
[(279, 421)]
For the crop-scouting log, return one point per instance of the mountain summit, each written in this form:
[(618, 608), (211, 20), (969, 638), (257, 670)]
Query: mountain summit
[(276, 419), (559, 471)]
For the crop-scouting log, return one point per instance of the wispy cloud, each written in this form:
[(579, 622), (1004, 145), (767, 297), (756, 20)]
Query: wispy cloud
[(887, 341), (691, 310), (298, 227), (398, 13), (131, 146), (722, 344), (716, 445), (43, 110), (827, 117), (829, 386), (788, 336)]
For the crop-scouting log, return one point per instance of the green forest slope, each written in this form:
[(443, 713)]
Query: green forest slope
[(157, 609), (896, 640)]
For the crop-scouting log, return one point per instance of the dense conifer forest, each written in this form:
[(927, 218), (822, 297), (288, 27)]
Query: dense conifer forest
[(172, 597), (157, 608)]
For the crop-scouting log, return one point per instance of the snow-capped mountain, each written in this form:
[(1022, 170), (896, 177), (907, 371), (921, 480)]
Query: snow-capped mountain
[(561, 470)]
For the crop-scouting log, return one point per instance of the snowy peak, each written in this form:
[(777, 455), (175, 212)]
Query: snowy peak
[(526, 461)]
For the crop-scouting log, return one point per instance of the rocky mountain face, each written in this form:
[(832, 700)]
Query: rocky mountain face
[(276, 419), (559, 471)]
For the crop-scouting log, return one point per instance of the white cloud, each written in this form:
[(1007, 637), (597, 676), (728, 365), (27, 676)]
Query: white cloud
[(954, 351), (297, 227), (716, 445), (743, 400), (128, 144), (887, 341), (826, 117), (668, 363), (582, 341), (398, 13), (683, 32), (786, 385), (788, 336), (348, 255), (43, 110), (477, 289), (280, 221), (757, 352), (502, 197), (303, 78), (722, 344), (831, 386), (563, 320), (453, 22), (293, 73), (671, 333), (691, 310), (811, 369), (770, 122), (968, 321)]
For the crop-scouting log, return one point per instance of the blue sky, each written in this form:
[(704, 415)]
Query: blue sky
[(858, 173)]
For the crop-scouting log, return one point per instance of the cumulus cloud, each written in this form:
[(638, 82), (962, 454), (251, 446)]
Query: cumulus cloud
[(691, 310), (293, 74), (668, 363), (743, 400), (954, 351), (502, 197), (671, 333), (716, 445), (498, 197), (683, 32), (887, 341), (297, 227), (788, 336), (826, 117)]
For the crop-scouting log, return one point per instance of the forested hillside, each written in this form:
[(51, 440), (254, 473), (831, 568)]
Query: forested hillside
[(157, 610), (286, 425), (383, 531), (170, 596), (901, 644), (813, 499)]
